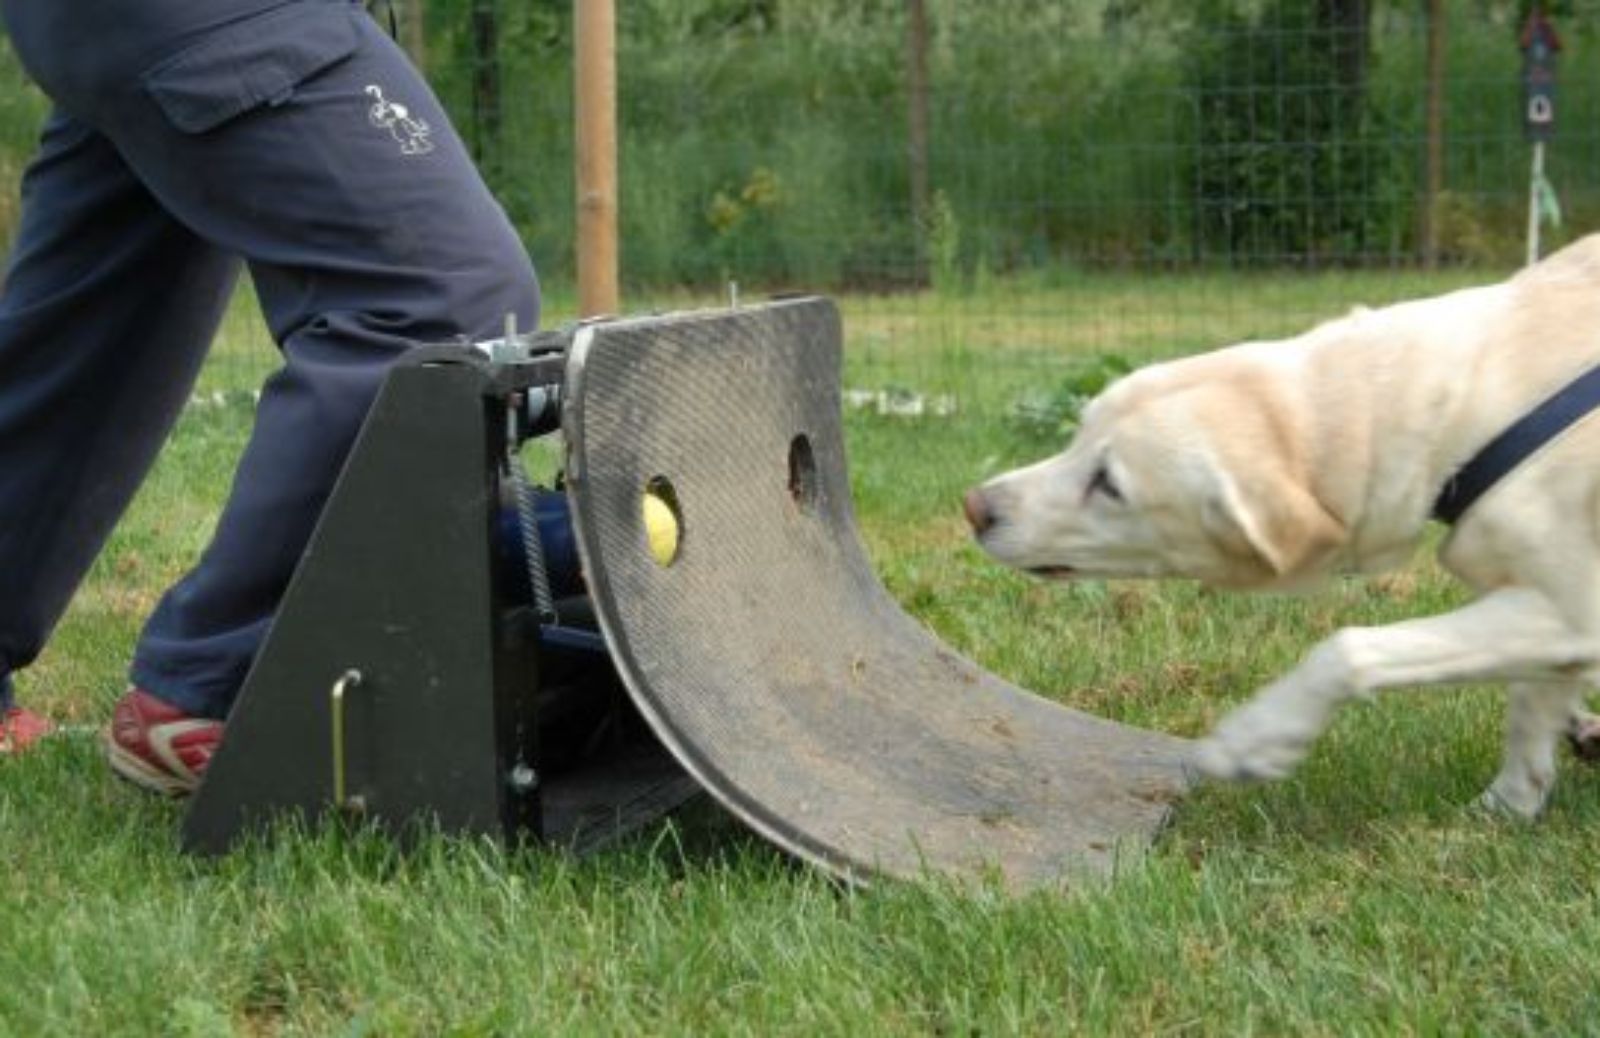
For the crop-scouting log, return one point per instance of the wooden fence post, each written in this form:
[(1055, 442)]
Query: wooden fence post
[(595, 93)]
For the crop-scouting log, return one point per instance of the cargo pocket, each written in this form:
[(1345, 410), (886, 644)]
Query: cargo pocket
[(259, 60)]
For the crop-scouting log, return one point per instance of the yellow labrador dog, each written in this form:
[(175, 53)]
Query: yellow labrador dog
[(1269, 465)]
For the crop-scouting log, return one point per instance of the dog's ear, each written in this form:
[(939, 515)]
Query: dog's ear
[(1274, 519)]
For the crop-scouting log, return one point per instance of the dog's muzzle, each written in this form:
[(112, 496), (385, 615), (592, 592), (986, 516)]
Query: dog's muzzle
[(979, 514)]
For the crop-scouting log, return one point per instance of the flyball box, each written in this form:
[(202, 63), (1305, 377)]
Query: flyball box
[(760, 660)]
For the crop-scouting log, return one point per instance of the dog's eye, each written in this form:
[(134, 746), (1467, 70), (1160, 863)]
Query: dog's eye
[(1101, 482)]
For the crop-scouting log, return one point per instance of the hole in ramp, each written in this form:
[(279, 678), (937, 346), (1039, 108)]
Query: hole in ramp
[(803, 473)]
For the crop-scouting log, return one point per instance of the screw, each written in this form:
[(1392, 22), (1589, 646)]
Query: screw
[(523, 779)]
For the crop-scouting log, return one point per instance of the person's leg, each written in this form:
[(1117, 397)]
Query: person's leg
[(106, 310), (367, 231)]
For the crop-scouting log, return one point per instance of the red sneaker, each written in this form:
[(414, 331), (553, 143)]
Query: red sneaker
[(159, 747), (20, 729)]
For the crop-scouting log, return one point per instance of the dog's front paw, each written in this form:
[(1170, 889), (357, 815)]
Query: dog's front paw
[(1260, 741), (1221, 758)]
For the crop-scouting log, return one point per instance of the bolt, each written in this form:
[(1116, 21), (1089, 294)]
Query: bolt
[(523, 779)]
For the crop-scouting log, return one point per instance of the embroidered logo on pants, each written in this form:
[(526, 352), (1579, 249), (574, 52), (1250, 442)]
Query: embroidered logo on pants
[(396, 118)]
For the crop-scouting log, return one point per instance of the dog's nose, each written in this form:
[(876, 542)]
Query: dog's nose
[(976, 506)]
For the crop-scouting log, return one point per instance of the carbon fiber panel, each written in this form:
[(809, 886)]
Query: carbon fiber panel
[(770, 659)]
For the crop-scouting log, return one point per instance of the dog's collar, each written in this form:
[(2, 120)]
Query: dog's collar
[(1516, 444)]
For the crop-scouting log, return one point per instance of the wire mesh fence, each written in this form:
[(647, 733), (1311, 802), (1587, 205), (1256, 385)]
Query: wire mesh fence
[(997, 191)]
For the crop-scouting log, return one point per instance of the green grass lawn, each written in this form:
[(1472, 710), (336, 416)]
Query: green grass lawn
[(1359, 897)]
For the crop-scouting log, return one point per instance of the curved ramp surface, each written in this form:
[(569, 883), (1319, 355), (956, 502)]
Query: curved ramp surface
[(768, 657)]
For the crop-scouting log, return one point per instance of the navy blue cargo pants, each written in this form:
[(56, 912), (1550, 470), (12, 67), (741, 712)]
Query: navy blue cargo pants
[(291, 135)]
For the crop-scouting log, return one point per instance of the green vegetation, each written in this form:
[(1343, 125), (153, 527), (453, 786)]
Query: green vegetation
[(1290, 74), (1358, 898), (765, 141), (22, 111)]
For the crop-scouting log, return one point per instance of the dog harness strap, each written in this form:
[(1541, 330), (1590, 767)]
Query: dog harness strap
[(1516, 444)]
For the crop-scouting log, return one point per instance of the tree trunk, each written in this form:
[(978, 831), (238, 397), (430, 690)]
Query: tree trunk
[(413, 33), (1434, 177), (917, 131), (1349, 25), (485, 81)]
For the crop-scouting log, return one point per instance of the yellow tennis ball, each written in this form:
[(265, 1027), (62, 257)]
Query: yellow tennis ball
[(661, 529)]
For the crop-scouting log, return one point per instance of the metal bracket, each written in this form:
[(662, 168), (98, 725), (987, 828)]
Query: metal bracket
[(466, 719)]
